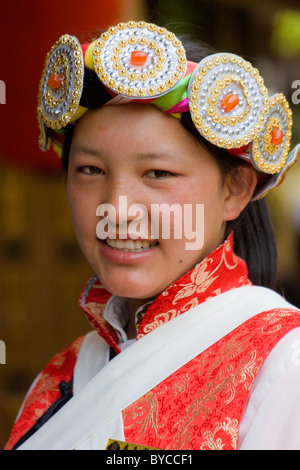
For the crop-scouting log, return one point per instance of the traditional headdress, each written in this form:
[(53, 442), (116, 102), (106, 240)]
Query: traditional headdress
[(141, 62)]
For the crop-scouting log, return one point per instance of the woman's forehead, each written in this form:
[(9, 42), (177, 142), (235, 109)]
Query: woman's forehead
[(119, 112), (141, 121)]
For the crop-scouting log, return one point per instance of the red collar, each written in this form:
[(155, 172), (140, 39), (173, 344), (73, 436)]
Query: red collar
[(219, 272)]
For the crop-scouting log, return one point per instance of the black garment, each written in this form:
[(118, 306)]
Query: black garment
[(66, 390)]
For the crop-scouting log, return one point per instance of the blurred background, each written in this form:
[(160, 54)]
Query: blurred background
[(42, 269)]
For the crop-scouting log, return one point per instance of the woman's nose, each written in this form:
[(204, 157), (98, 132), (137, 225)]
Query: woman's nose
[(122, 206), (121, 197)]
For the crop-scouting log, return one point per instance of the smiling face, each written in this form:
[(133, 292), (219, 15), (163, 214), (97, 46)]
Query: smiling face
[(138, 153)]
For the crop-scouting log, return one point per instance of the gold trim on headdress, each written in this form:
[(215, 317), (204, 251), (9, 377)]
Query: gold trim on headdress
[(61, 84), (139, 61)]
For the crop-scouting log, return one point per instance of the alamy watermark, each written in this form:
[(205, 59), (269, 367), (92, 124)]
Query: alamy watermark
[(2, 352), (166, 222), (295, 98), (2, 92)]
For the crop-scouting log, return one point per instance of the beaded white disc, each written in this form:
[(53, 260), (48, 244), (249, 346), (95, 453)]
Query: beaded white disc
[(139, 60), (217, 78), (267, 154), (57, 105)]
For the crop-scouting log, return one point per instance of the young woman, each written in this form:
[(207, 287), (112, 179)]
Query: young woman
[(167, 163)]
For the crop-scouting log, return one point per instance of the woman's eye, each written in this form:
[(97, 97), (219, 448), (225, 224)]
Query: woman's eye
[(90, 170), (159, 174)]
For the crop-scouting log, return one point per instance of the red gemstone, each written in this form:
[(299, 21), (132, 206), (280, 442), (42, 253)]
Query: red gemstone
[(229, 102), (56, 81), (138, 58), (276, 136)]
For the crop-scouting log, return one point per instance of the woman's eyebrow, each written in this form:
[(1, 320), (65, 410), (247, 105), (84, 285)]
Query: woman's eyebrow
[(87, 150), (163, 155), (160, 155)]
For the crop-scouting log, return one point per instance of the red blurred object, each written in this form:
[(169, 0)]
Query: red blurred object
[(28, 31)]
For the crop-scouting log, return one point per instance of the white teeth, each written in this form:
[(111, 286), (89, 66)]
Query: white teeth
[(130, 245), (119, 244), (138, 245)]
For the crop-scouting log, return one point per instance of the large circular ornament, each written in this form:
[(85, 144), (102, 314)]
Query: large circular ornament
[(270, 148), (139, 60), (61, 84), (228, 100)]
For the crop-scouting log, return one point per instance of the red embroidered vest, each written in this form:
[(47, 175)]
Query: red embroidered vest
[(201, 404)]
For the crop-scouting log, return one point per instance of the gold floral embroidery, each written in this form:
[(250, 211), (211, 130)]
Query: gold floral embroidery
[(244, 374), (272, 321), (219, 382), (201, 279), (224, 384), (203, 276), (181, 385), (148, 404), (59, 360), (96, 310), (230, 427), (40, 393), (160, 319), (96, 318)]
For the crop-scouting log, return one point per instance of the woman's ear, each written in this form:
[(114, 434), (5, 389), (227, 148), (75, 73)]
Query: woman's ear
[(240, 186)]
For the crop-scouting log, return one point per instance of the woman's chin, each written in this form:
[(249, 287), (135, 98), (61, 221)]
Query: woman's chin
[(123, 286)]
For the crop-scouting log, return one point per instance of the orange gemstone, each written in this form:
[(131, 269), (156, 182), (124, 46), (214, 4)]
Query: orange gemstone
[(229, 102), (276, 136), (55, 81), (138, 58)]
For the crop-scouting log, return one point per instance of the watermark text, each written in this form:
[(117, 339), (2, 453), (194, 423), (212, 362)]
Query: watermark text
[(296, 94), (2, 352), (164, 222), (2, 92)]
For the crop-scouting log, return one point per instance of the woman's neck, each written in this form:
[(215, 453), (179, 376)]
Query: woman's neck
[(133, 305)]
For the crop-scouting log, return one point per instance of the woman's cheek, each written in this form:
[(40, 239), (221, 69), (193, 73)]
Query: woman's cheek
[(82, 213)]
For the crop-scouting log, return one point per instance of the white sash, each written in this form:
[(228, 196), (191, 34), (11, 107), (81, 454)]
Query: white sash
[(94, 414)]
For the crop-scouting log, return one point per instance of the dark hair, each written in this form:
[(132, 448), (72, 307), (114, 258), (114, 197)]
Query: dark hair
[(254, 237)]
